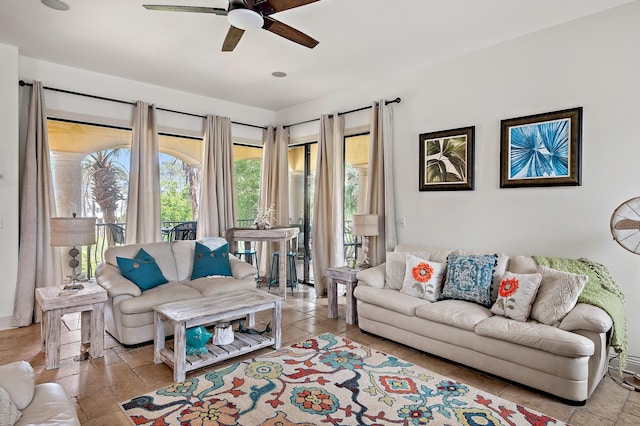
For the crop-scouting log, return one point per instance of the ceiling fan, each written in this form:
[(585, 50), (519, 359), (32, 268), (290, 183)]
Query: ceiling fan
[(250, 14)]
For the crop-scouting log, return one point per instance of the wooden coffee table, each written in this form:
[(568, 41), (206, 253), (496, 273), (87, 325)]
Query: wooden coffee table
[(208, 310)]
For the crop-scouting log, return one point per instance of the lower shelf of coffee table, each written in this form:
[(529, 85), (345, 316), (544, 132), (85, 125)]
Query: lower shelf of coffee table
[(242, 343)]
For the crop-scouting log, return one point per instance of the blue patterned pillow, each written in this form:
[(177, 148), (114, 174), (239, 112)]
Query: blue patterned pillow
[(207, 262), (469, 278), (142, 270)]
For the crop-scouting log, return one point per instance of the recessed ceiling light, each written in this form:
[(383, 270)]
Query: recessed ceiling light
[(55, 4), (279, 74)]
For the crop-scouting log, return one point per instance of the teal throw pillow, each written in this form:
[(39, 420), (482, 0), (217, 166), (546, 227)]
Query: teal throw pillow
[(207, 262), (142, 270), (469, 278)]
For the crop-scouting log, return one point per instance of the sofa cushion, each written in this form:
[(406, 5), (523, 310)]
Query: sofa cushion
[(389, 299), (516, 295), (160, 251), (457, 313), (169, 292), (395, 267), (498, 271), (211, 262), (536, 335), (9, 413), (435, 254), (211, 286), (18, 379), (423, 278), (469, 278), (558, 294), (142, 270), (522, 265)]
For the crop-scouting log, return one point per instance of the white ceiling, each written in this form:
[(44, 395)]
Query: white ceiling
[(359, 39)]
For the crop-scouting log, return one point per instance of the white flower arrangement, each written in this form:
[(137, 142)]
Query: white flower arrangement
[(264, 218)]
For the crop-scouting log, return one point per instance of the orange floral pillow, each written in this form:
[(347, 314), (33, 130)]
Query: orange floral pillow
[(423, 278), (516, 295)]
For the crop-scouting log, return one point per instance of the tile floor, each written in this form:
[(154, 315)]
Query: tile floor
[(98, 385)]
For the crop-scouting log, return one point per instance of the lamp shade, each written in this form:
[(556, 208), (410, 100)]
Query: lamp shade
[(73, 231), (366, 225)]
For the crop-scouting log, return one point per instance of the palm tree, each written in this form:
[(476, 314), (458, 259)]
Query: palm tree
[(105, 181)]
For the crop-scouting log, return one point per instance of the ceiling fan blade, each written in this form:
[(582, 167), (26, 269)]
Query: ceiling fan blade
[(280, 5), (627, 224), (290, 33), (195, 9), (231, 40)]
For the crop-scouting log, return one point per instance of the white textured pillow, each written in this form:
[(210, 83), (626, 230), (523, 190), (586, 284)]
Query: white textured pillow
[(395, 267), (423, 278), (558, 294), (9, 413), (515, 295)]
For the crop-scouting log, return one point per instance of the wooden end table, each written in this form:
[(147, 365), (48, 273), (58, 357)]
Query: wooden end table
[(347, 276), (208, 310), (55, 302)]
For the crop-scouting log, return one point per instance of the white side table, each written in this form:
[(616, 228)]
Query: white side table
[(55, 302), (347, 276)]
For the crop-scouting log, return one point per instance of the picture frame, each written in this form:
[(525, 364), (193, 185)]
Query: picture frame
[(542, 149), (447, 160)]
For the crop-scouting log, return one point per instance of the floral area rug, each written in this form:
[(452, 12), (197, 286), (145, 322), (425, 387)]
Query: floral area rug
[(325, 380)]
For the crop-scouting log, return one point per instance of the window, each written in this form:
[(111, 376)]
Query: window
[(248, 170), (302, 173), (356, 170)]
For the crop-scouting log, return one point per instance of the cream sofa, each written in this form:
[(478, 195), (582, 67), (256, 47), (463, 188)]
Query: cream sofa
[(567, 361), (129, 311), (43, 404)]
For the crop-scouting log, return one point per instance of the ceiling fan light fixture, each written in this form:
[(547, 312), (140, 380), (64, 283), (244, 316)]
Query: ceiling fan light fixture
[(241, 17)]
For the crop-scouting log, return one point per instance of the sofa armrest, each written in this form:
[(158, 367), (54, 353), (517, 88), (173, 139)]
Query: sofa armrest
[(587, 317), (373, 277), (51, 405), (18, 379), (241, 269), (110, 278)]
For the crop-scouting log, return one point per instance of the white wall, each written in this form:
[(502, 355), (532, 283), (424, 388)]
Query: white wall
[(8, 180), (593, 63)]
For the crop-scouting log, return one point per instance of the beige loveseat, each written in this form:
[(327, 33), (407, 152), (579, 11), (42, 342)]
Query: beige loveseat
[(567, 360), (129, 311), (31, 404)]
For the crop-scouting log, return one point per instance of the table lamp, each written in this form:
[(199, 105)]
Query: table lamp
[(365, 225), (71, 232)]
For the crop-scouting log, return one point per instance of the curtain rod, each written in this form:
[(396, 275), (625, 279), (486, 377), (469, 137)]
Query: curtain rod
[(22, 83), (394, 101)]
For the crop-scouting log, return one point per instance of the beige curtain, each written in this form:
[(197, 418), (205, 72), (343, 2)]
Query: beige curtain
[(217, 205), (274, 187), (327, 243), (40, 265), (143, 202), (380, 198)]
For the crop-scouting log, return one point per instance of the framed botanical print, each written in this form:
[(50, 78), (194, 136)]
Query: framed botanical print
[(446, 160), (541, 150)]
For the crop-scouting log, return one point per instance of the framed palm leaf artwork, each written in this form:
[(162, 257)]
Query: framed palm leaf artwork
[(446, 160), (541, 150)]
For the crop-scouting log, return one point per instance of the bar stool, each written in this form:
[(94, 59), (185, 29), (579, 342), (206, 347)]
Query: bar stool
[(274, 273), (249, 255)]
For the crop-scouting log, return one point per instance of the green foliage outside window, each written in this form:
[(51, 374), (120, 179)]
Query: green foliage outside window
[(248, 174)]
